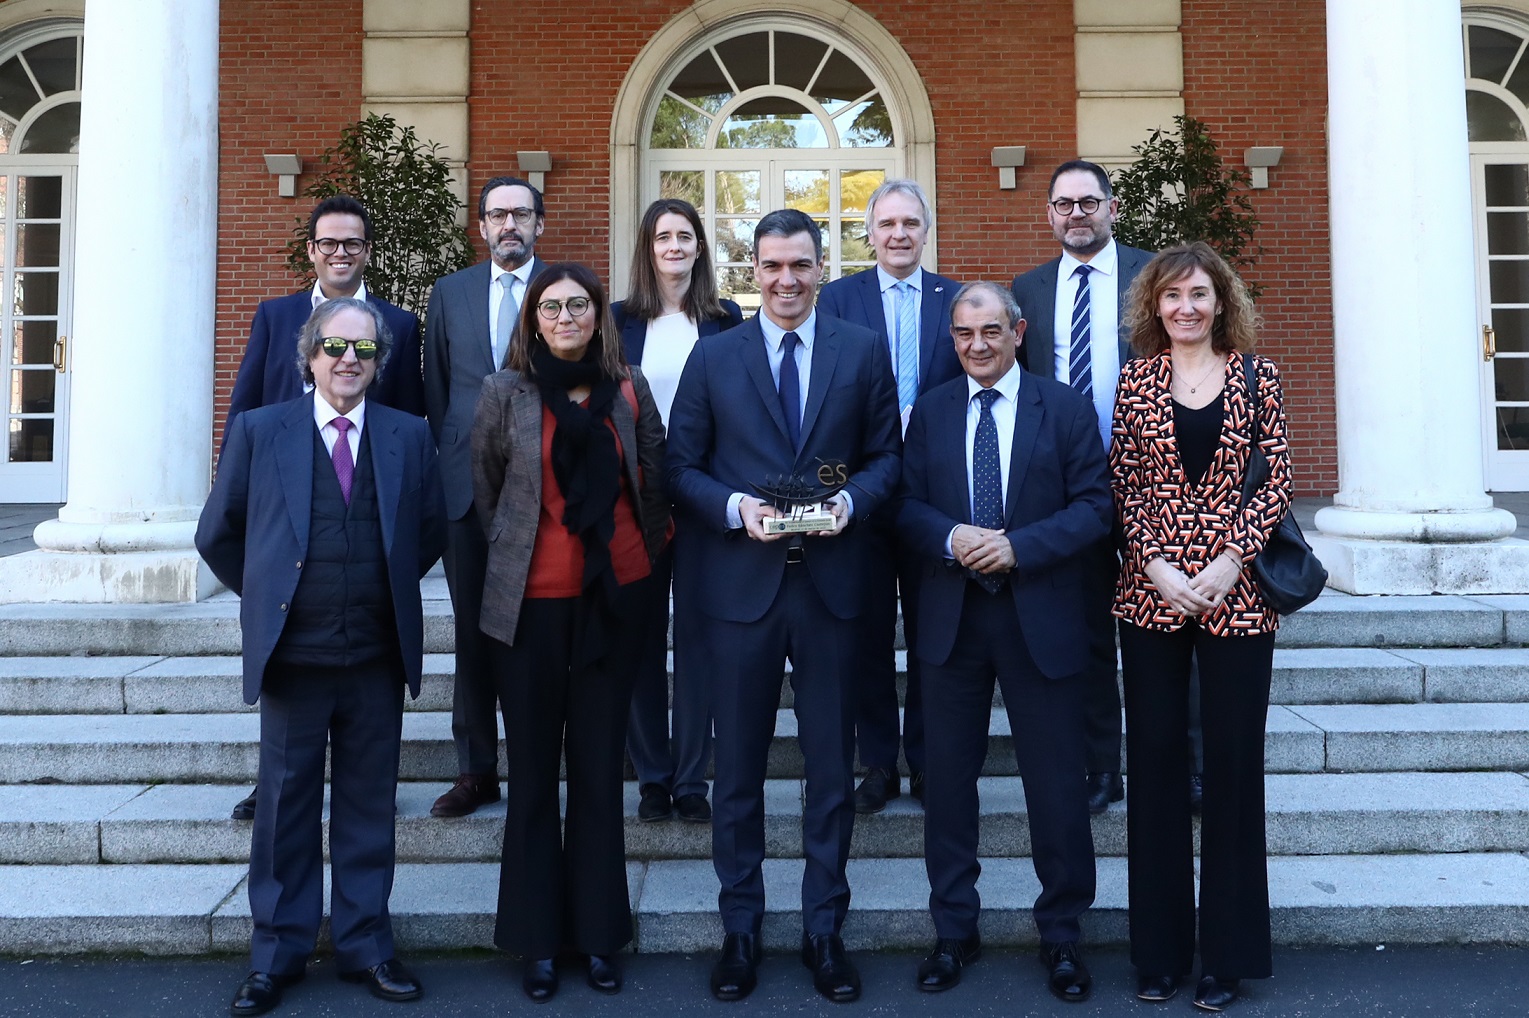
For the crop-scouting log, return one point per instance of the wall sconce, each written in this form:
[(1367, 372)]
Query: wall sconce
[(534, 166), (1008, 158), (1258, 160), (286, 168)]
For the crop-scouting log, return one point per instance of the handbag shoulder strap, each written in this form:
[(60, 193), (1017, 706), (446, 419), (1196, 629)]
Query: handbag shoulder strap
[(1250, 377)]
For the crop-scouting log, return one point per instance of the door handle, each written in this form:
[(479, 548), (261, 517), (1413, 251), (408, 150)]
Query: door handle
[(61, 354), (1488, 343)]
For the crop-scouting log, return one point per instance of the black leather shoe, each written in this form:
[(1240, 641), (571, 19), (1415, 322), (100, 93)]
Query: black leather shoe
[(1156, 988), (833, 973), (603, 973), (879, 787), (693, 808), (260, 992), (916, 786), (540, 980), (1196, 793), (390, 980), (733, 977), (1104, 788), (464, 797), (1068, 978), (942, 969), (1215, 994), (654, 803), (244, 809)]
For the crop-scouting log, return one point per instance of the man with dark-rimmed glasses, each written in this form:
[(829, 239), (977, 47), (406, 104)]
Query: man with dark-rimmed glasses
[(468, 325)]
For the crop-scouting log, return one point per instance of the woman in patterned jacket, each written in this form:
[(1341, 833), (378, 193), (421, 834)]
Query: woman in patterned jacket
[(1182, 437)]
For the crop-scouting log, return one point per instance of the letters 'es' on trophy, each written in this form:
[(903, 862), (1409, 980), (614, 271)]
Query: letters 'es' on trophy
[(802, 504)]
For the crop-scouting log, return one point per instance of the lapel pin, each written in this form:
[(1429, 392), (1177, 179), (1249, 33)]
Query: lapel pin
[(939, 289)]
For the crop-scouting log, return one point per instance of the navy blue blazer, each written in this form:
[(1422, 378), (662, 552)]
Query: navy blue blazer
[(253, 532), (727, 434), (634, 331), (269, 374), (857, 299), (1057, 505), (1036, 292)]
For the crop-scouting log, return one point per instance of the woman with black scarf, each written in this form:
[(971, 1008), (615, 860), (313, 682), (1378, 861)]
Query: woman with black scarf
[(567, 477)]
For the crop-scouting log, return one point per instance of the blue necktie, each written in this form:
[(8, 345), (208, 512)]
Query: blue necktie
[(907, 346), (987, 481), (506, 324), (1080, 365), (790, 389)]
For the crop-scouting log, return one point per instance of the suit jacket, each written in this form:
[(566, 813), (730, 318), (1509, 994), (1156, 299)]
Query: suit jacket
[(253, 532), (1036, 292), (507, 483), (459, 355), (1057, 505), (727, 434), (857, 299), (634, 331), (269, 373), (1186, 522)]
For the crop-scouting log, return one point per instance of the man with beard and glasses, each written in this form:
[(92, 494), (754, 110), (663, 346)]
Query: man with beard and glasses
[(467, 334)]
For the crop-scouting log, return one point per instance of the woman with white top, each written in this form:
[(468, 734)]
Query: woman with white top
[(671, 303)]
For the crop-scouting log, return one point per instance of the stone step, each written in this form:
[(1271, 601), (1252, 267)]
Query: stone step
[(212, 627), (201, 909), (1308, 814), (139, 684)]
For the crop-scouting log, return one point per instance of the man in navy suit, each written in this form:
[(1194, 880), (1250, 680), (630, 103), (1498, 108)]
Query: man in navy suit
[(1004, 483), (789, 393), (1072, 304), (910, 310), (467, 333), (339, 244), (326, 513)]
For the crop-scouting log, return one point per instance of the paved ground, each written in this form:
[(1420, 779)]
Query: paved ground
[(1397, 982)]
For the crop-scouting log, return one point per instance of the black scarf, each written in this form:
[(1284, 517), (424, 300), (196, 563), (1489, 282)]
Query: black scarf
[(586, 463)]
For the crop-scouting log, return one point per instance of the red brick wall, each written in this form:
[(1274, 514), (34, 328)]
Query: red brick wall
[(1263, 81), (290, 79)]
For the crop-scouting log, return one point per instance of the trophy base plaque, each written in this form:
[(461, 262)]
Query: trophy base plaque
[(801, 520)]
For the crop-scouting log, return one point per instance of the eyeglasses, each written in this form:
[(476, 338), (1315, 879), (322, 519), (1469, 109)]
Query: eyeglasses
[(523, 217), (1088, 206), (552, 310), (335, 346), (328, 245)]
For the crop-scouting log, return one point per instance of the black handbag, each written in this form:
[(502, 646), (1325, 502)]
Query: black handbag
[(1289, 574)]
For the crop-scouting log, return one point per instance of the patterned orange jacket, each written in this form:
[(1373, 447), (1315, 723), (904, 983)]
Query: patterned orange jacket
[(1189, 524)]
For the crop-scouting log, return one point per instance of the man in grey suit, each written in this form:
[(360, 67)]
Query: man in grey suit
[(1072, 304), (467, 333)]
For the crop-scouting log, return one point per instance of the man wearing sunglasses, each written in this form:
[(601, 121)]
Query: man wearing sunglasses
[(339, 244), (326, 512), (1072, 306), (471, 316)]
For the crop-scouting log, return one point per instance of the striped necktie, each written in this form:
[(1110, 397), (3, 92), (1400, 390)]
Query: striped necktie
[(1080, 364), (907, 345)]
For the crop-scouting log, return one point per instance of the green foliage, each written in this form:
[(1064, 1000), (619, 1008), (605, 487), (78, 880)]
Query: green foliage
[(406, 186), (1178, 191)]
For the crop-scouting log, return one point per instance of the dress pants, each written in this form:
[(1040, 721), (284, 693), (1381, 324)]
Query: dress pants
[(680, 768), (749, 659), (1101, 690), (1046, 719), (563, 884), (893, 571), (358, 713), (1235, 674), (473, 727)]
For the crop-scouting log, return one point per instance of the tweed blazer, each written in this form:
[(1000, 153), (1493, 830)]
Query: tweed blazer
[(507, 483), (1189, 523)]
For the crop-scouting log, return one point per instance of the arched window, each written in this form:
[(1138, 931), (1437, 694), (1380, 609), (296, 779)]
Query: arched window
[(40, 92), (758, 111)]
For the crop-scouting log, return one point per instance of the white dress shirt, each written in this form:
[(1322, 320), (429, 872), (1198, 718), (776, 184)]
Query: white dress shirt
[(1005, 408), (496, 297), (324, 415), (318, 296), (1103, 325)]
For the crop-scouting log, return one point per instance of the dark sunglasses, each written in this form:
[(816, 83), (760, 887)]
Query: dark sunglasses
[(335, 346)]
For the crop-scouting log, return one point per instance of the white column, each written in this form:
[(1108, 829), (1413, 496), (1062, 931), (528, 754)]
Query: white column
[(1411, 514), (140, 428)]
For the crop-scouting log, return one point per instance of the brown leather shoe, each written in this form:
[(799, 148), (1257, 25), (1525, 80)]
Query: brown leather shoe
[(464, 797)]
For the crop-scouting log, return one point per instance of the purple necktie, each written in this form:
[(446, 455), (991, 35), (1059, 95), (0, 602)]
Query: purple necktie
[(344, 465)]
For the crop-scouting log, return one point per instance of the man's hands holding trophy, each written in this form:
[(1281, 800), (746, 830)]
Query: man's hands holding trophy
[(794, 505)]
